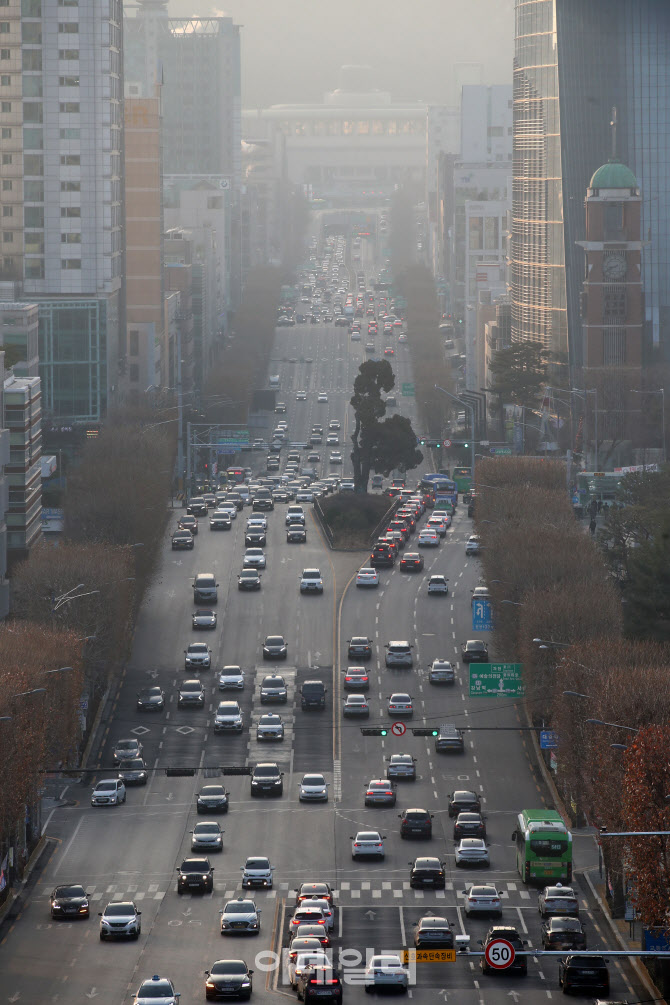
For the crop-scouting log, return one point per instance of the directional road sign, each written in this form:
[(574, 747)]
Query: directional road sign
[(398, 728), (499, 954), (501, 451), (548, 739), (482, 615), (496, 679), (407, 390)]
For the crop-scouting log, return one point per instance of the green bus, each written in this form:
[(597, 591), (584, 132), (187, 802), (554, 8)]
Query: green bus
[(543, 847), (463, 479)]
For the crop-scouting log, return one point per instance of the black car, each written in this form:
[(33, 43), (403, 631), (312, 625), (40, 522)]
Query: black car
[(151, 699), (474, 651), (255, 537), (69, 902), (469, 825), (212, 799), (427, 872), (275, 648), (319, 982), (360, 647), (584, 974), (273, 689), (197, 507), (296, 535), (463, 801), (417, 823), (228, 979), (563, 933), (520, 964), (267, 780), (433, 933), (182, 540), (249, 579), (191, 694), (195, 874)]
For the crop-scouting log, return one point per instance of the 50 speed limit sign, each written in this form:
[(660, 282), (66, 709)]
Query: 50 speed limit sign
[(499, 954)]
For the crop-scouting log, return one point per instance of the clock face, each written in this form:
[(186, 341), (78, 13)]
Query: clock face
[(614, 267)]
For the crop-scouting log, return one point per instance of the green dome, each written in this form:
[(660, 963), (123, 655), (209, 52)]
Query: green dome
[(614, 174)]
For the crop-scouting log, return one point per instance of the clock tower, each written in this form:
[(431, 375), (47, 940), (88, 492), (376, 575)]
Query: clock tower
[(612, 298)]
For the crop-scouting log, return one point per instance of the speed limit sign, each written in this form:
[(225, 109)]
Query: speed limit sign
[(499, 954), (398, 728), (447, 443)]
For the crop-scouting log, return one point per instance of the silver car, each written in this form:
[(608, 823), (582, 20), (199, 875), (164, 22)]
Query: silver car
[(313, 788), (399, 654), (228, 718), (402, 766), (472, 851), (257, 871), (240, 916), (231, 677), (120, 920), (270, 727), (254, 558), (441, 672), (133, 771), (207, 836), (198, 654), (367, 844), (123, 749)]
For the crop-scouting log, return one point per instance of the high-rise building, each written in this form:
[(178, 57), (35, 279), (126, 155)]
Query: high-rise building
[(575, 62), (61, 184)]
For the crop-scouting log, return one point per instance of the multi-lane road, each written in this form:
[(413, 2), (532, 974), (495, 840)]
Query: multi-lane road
[(131, 852)]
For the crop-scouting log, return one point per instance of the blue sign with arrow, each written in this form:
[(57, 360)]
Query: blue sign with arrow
[(482, 615)]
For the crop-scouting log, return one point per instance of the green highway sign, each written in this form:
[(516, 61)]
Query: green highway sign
[(501, 451), (496, 678), (407, 390)]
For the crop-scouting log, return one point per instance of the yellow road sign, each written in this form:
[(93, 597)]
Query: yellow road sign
[(428, 956)]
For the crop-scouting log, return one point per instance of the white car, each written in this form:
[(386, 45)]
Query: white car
[(428, 539), (367, 577), (402, 766), (301, 396), (438, 524), (335, 457), (304, 495), (322, 396), (326, 908), (108, 792), (228, 718), (119, 921), (230, 509), (472, 851), (481, 593), (367, 844), (313, 958), (156, 991), (257, 871), (386, 970), (483, 900), (257, 523), (438, 584), (231, 677), (472, 547), (313, 788), (207, 836), (254, 558)]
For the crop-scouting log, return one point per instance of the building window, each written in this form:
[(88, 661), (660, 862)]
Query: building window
[(69, 106), (70, 264), (32, 139), (32, 87), (6, 53), (7, 184), (33, 191), (31, 8), (134, 372), (7, 236), (33, 164), (68, 53), (68, 28), (34, 242), (68, 3), (614, 303), (70, 239), (5, 80), (70, 211), (134, 343), (4, 27), (34, 268), (70, 186), (32, 111), (31, 33), (613, 221), (69, 134), (70, 160), (31, 59), (8, 211), (68, 81), (33, 216), (6, 106), (6, 133), (7, 159)]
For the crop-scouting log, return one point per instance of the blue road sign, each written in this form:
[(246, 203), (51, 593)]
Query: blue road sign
[(548, 739), (482, 615)]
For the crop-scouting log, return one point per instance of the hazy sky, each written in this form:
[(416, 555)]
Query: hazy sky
[(292, 49)]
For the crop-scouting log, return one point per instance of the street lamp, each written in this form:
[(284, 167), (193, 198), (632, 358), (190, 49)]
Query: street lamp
[(615, 725), (547, 644), (578, 694), (512, 603), (59, 670), (582, 394), (660, 391)]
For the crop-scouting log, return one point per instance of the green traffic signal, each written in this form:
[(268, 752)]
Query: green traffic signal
[(373, 731), (425, 732)]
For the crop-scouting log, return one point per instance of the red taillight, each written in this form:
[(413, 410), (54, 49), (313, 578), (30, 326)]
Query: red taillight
[(388, 793)]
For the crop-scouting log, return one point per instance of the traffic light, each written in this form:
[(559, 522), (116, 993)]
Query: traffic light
[(425, 732), (373, 731), (423, 441)]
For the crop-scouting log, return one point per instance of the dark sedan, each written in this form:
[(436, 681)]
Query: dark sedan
[(360, 647), (150, 699), (212, 799), (275, 648), (563, 933), (469, 825), (69, 902), (228, 979)]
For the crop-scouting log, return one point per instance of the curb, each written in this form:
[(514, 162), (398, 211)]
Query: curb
[(639, 968), (13, 902)]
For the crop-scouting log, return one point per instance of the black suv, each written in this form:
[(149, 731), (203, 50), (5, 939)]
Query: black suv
[(427, 872), (273, 688), (360, 647), (416, 823), (195, 874), (312, 694), (267, 780), (463, 801), (520, 964), (320, 982), (585, 974)]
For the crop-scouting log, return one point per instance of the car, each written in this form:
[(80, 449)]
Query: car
[(280, 408), (228, 979), (335, 457), (584, 974), (367, 844), (402, 766), (182, 540), (463, 801), (198, 655), (359, 647), (356, 706), (383, 555), (275, 648), (469, 825), (441, 671), (563, 933), (267, 779), (120, 920), (255, 536), (509, 934), (472, 546), (332, 440), (304, 495), (189, 523), (191, 694), (240, 917), (195, 873), (428, 539), (228, 509), (228, 718), (385, 970), (270, 727), (311, 581), (334, 424), (411, 561), (319, 932), (123, 749), (150, 699), (301, 396), (399, 654), (207, 836), (474, 651), (438, 585), (273, 689), (280, 495), (156, 990), (108, 792), (484, 899), (388, 350), (481, 593), (212, 799), (416, 823), (400, 703), (231, 678), (304, 959), (220, 520), (254, 558), (380, 792), (367, 577), (69, 901), (322, 397), (313, 788), (319, 981), (558, 899), (197, 506), (296, 534), (203, 619), (249, 579), (433, 933), (307, 891), (325, 906), (307, 913), (356, 679), (133, 771), (346, 485), (257, 871)]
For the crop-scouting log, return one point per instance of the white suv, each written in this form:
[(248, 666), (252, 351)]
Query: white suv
[(311, 581), (228, 718), (399, 654)]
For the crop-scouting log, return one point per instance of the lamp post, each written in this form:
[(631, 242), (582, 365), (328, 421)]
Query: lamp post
[(465, 404), (615, 725), (582, 394)]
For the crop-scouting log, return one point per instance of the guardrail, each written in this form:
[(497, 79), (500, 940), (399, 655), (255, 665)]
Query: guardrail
[(322, 521), (387, 516)]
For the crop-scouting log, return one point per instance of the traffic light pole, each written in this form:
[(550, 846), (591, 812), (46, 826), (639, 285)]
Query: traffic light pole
[(465, 404)]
